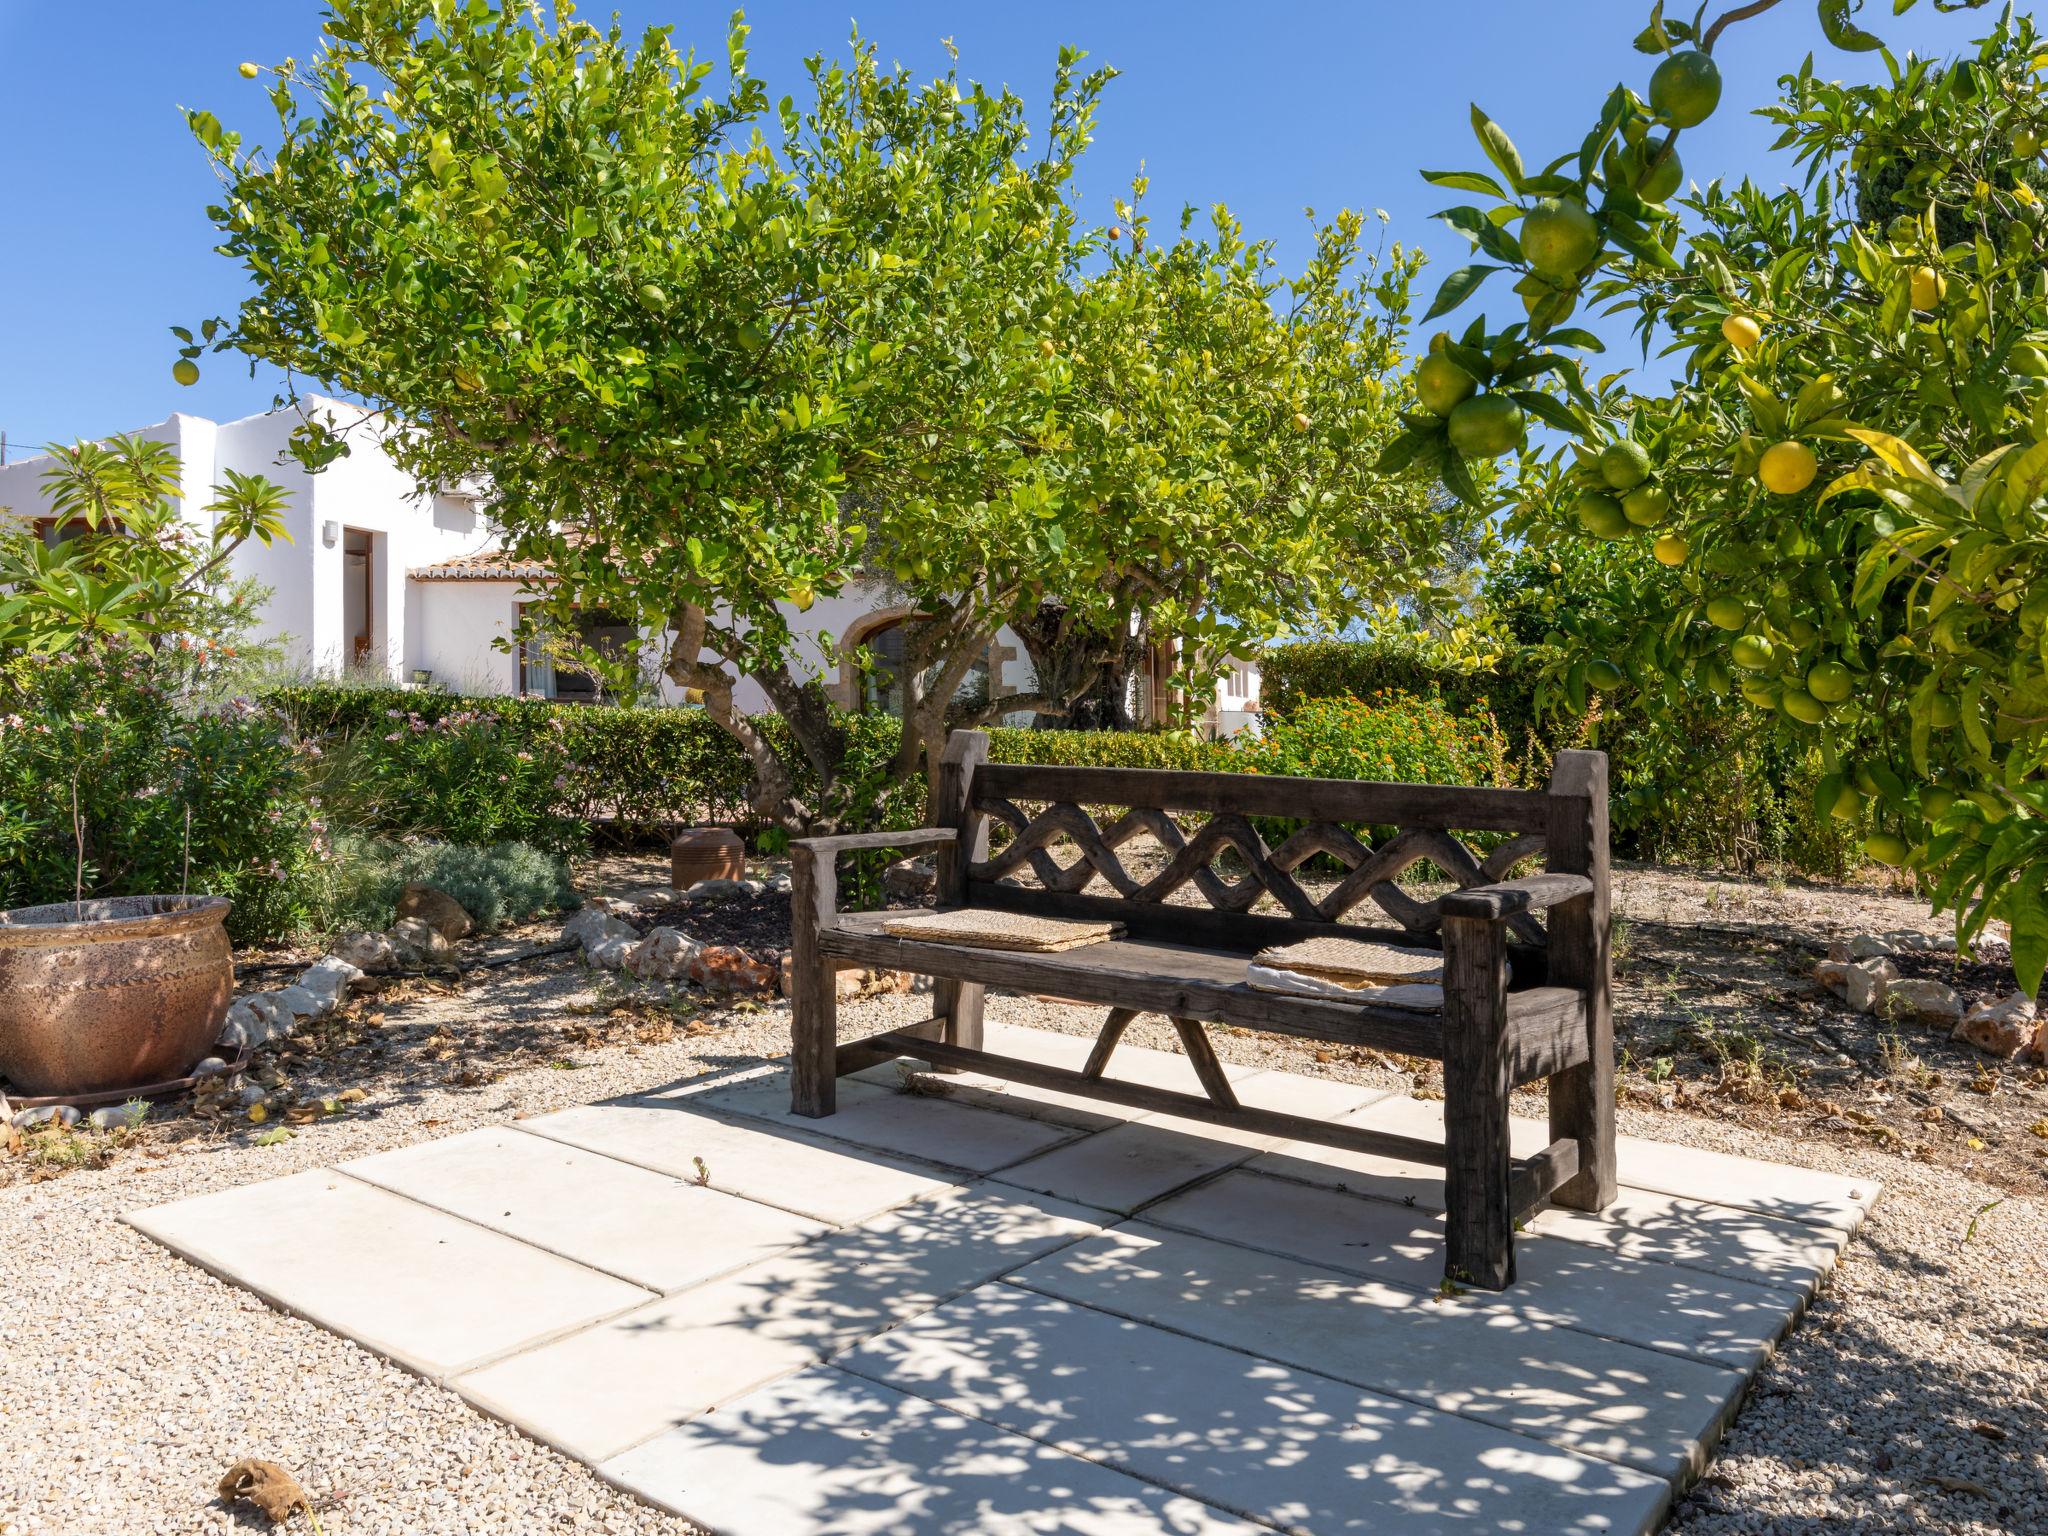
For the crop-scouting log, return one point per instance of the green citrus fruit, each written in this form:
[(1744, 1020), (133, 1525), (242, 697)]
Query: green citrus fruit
[(1486, 427), (1729, 613), (1848, 804), (1830, 682), (1624, 465), (1764, 695), (1904, 230), (1559, 236), (1442, 385), (1685, 89), (1647, 505), (185, 371), (1600, 514), (1753, 652), (2026, 143), (1935, 801), (652, 296), (1628, 167), (1943, 711), (1887, 848), (1439, 341), (1803, 706), (2029, 360), (1605, 675)]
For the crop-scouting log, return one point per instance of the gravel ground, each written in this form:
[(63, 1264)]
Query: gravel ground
[(1911, 1400)]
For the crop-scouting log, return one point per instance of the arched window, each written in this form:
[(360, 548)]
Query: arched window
[(881, 683)]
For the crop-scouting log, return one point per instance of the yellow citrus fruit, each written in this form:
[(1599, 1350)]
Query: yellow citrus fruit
[(1887, 848), (1601, 515), (1741, 332), (1928, 287), (1671, 549), (1647, 505), (2029, 360), (1848, 804), (1624, 465), (1685, 89), (1559, 236), (1787, 468), (1301, 421), (1727, 613), (1803, 706), (1441, 385), (1753, 653), (2026, 143), (1830, 682), (185, 371), (1486, 427), (249, 71)]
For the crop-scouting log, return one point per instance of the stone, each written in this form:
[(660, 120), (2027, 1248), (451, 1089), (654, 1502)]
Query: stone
[(594, 924), (437, 909), (212, 1066), (1924, 1001), (369, 952), (28, 1119), (910, 879), (1207, 1422), (251, 1094), (234, 1033), (614, 906), (298, 1002), (1838, 951), (610, 954), (416, 943), (330, 979), (1868, 946), (1832, 974), (1126, 1166), (2038, 1051), (431, 1291), (1865, 981), (1698, 1234), (2003, 1028), (666, 954), (275, 1022), (654, 1230), (114, 1117), (721, 889), (825, 1453), (728, 968)]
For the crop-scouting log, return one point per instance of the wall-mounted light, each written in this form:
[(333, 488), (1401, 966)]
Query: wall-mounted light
[(330, 532)]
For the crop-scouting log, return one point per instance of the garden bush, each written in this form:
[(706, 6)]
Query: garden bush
[(1359, 669), (504, 882), (1390, 736)]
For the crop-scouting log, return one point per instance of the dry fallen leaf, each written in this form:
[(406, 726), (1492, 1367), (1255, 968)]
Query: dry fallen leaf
[(268, 1486)]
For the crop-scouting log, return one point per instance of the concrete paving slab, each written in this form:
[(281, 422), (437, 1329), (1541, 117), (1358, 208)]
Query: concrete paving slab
[(931, 1127), (628, 1221), (416, 1285), (1652, 1411), (1295, 1450), (1659, 1306), (825, 1453), (1125, 1167), (827, 1181), (598, 1391), (1720, 1239)]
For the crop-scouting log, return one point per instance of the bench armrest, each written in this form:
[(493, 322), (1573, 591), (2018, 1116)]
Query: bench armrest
[(1531, 893), (854, 842)]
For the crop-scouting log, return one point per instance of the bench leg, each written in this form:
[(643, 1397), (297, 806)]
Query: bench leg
[(1477, 1079), (813, 989), (959, 1003)]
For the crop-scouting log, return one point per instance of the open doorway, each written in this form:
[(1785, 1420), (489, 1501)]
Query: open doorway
[(359, 597)]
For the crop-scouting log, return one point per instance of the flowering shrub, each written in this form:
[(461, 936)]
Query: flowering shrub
[(467, 776), (114, 781)]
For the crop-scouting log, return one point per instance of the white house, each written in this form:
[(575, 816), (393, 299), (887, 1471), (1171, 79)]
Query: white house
[(381, 577)]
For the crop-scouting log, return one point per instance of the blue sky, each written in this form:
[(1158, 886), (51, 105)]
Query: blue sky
[(1270, 107)]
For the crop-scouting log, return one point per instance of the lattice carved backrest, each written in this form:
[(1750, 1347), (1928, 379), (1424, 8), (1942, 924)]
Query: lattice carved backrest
[(1058, 819)]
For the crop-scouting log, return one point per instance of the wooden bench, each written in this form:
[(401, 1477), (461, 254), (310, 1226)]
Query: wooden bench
[(1523, 1000)]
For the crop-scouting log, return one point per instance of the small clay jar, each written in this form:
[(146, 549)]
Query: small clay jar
[(706, 853)]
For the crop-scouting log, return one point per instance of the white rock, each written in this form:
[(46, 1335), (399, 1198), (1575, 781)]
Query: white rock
[(418, 942), (330, 978), (1864, 983), (298, 1002), (723, 890), (2004, 1028), (1928, 1002), (366, 951), (593, 925), (113, 1117), (610, 954), (63, 1114), (1868, 946), (272, 1021), (1830, 974), (664, 955), (212, 1066)]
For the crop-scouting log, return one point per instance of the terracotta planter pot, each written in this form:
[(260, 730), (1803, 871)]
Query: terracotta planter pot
[(706, 853), (114, 993)]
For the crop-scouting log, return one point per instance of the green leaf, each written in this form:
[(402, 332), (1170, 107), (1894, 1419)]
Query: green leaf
[(1500, 149), (2027, 913), (1465, 181), (1836, 26), (1457, 288), (1548, 408), (1409, 446)]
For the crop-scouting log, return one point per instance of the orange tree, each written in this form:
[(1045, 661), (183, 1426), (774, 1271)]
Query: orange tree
[(1845, 497)]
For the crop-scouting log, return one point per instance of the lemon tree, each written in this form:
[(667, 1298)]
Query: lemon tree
[(720, 353), (1854, 466)]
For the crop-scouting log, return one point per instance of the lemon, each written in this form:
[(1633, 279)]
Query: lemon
[(1624, 465), (1753, 652), (1605, 675), (1671, 549), (2029, 360), (1848, 804), (185, 371), (1439, 341), (1441, 385), (1787, 468), (1935, 801), (1728, 613), (1830, 682), (1559, 237), (249, 71), (1647, 505), (1600, 514), (1928, 287), (1301, 421), (2026, 143), (652, 295), (1803, 706), (1486, 427), (1685, 89), (1887, 848), (1741, 332)]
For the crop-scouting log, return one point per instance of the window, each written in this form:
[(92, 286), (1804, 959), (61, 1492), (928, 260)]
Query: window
[(545, 668), (881, 683)]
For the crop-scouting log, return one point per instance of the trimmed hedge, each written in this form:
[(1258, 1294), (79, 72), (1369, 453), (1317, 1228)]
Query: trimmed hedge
[(1290, 675)]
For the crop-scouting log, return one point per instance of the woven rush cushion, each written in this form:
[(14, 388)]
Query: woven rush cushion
[(1355, 962), (978, 928)]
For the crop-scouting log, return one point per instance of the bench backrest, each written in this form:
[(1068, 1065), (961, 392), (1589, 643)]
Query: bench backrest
[(1561, 823)]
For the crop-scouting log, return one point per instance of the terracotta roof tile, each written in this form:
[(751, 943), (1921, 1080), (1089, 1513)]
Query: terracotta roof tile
[(485, 565)]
